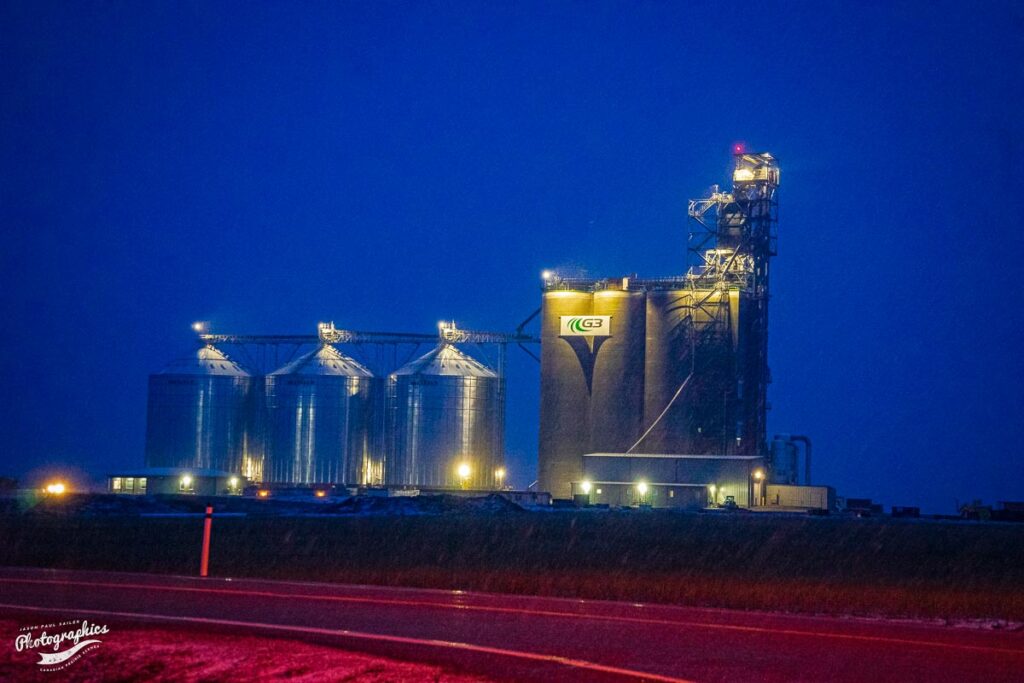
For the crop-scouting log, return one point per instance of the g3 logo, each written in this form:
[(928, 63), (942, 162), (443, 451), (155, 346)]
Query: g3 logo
[(586, 325)]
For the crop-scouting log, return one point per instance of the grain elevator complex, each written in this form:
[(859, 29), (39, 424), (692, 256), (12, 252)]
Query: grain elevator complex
[(655, 390), (652, 391)]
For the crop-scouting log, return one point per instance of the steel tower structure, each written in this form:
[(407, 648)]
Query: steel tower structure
[(732, 240)]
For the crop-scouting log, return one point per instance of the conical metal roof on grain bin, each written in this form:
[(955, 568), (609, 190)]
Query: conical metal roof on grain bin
[(206, 360), (445, 360), (324, 361)]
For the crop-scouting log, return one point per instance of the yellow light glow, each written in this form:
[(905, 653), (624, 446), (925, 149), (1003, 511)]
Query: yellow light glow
[(547, 274), (641, 488), (464, 470), (198, 326), (500, 473), (742, 174), (263, 493), (712, 488), (56, 488), (321, 494), (186, 481), (233, 482), (585, 487), (759, 474)]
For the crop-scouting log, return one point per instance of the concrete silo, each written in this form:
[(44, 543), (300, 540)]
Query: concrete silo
[(566, 368), (592, 369), (690, 383), (444, 410), (319, 416), (668, 362), (198, 413), (617, 394)]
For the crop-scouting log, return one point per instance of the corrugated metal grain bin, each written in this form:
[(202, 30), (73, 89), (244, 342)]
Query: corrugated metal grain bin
[(197, 413), (319, 417), (445, 409)]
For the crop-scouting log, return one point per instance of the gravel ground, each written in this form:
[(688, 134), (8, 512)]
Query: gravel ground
[(135, 654)]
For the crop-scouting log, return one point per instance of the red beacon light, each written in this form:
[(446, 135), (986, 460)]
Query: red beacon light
[(738, 148)]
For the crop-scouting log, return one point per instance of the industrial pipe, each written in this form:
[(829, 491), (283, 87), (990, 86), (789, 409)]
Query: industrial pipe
[(807, 455)]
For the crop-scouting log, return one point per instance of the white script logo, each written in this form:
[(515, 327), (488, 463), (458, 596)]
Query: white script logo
[(76, 637)]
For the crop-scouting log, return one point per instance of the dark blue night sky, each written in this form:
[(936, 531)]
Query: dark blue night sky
[(385, 165)]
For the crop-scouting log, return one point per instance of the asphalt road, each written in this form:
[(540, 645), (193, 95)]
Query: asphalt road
[(525, 638)]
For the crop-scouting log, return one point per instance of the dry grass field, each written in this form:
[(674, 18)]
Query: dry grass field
[(752, 561)]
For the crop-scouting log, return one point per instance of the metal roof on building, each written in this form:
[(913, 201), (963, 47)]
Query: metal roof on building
[(206, 360), (172, 472), (325, 360), (446, 360), (638, 456), (677, 484)]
